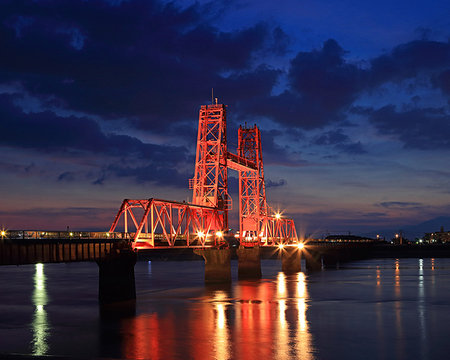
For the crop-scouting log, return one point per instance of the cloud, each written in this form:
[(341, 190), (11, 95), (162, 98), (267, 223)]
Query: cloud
[(408, 60), (399, 204), (323, 85), (48, 133), (145, 60), (271, 183), (340, 142), (421, 128), (67, 176), (442, 81), (275, 154)]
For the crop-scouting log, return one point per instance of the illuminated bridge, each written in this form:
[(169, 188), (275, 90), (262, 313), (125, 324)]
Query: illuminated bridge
[(151, 225)]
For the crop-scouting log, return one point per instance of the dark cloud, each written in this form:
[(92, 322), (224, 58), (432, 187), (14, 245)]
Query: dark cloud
[(399, 204), (408, 60), (271, 183), (321, 85), (442, 81), (340, 142), (47, 132), (144, 59), (274, 154), (324, 78), (67, 176), (426, 129)]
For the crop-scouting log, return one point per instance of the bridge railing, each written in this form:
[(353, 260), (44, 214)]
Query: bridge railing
[(67, 235)]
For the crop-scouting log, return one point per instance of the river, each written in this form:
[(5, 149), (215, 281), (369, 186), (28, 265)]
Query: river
[(371, 309)]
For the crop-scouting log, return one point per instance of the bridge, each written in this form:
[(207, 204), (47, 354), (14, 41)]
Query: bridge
[(149, 225), (204, 221)]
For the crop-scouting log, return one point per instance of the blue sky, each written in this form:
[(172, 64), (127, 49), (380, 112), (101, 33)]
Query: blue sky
[(99, 102)]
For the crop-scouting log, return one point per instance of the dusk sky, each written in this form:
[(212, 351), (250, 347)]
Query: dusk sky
[(99, 102)]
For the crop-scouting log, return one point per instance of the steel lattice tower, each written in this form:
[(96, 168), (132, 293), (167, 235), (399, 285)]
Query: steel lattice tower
[(252, 191), (210, 182)]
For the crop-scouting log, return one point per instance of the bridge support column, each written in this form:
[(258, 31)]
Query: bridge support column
[(249, 262), (116, 275), (217, 264), (330, 260), (291, 260), (313, 260)]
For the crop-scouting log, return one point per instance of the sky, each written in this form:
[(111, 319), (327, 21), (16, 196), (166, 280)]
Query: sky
[(99, 102)]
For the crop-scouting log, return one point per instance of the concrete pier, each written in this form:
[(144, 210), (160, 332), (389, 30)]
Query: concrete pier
[(330, 260), (217, 264), (313, 260), (249, 262), (116, 275), (291, 260)]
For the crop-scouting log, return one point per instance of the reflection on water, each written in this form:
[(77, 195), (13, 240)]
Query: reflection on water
[(384, 309), (40, 324), (253, 320)]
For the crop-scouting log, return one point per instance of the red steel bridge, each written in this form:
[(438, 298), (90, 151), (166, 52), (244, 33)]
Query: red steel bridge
[(155, 223)]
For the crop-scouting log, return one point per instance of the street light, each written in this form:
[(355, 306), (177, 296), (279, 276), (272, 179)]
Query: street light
[(277, 216), (300, 245)]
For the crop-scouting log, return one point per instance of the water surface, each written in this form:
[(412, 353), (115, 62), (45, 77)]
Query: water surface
[(373, 309)]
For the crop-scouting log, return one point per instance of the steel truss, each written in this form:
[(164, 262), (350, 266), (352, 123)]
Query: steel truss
[(161, 223)]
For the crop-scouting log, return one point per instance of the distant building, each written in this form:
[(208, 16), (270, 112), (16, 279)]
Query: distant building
[(348, 238), (437, 237)]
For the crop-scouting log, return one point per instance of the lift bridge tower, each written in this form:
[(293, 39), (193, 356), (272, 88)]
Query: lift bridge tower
[(163, 223)]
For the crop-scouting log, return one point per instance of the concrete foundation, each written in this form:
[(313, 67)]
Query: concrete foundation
[(291, 260), (330, 260), (116, 275), (249, 262), (217, 264), (313, 260)]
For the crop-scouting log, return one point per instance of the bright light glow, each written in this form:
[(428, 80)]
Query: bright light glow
[(278, 215), (200, 234), (40, 324), (107, 234), (219, 234), (280, 246), (300, 245), (71, 234), (3, 233)]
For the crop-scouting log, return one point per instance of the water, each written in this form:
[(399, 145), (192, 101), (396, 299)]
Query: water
[(374, 309)]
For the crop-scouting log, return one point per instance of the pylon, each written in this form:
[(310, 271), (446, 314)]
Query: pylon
[(210, 182)]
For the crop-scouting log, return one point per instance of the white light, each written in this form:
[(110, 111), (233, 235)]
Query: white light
[(301, 245), (280, 246), (219, 234), (200, 234), (277, 215)]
